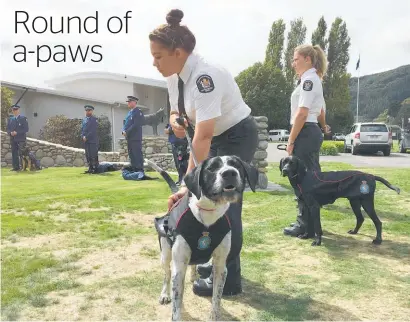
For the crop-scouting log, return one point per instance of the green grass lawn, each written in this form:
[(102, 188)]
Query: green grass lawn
[(84, 247)]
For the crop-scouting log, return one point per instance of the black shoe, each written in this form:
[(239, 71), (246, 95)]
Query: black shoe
[(15, 170), (204, 270), (294, 231), (204, 287)]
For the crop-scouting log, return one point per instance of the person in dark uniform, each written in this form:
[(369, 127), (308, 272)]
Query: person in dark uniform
[(210, 101), (89, 134), (307, 110), (132, 131), (17, 128), (179, 152)]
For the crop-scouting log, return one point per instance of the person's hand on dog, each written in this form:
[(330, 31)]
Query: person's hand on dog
[(289, 148), (176, 196)]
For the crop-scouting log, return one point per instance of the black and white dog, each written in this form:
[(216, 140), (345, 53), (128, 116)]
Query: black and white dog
[(316, 189), (197, 228)]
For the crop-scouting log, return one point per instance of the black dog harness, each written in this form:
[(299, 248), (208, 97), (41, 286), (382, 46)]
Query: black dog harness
[(201, 239), (326, 187)]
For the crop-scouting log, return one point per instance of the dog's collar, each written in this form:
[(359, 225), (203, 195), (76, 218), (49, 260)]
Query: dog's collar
[(204, 209)]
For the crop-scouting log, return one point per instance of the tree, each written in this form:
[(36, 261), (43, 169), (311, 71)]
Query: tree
[(404, 114), (263, 88), (394, 108), (296, 37), (336, 80), (274, 49), (6, 102), (104, 133), (319, 35)]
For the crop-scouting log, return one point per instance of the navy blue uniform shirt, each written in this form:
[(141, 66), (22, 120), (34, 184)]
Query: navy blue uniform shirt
[(89, 129), (20, 125), (133, 125)]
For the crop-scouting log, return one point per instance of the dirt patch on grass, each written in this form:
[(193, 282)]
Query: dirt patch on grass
[(116, 262), (39, 241), (145, 220)]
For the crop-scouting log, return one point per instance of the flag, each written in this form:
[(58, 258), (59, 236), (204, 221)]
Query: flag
[(358, 64)]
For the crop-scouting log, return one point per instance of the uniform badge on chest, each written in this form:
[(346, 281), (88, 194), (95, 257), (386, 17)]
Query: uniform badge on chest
[(204, 241), (364, 188)]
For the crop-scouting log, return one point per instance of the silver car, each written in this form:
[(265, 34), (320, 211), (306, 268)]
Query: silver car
[(369, 137), (404, 143)]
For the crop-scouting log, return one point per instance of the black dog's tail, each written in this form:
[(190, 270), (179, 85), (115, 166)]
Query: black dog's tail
[(387, 184), (172, 185)]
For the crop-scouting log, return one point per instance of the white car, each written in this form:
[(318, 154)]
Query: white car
[(279, 135), (368, 137)]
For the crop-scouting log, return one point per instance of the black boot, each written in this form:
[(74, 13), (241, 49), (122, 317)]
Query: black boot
[(298, 228), (204, 270)]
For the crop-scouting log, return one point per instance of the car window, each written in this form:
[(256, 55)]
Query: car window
[(373, 128)]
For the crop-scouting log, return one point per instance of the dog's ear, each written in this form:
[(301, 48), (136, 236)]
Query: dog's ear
[(281, 165), (192, 180), (300, 167), (251, 173)]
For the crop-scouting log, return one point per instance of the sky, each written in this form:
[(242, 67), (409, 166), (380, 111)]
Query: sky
[(232, 33)]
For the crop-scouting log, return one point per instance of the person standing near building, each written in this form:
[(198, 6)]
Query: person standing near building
[(89, 135), (17, 128)]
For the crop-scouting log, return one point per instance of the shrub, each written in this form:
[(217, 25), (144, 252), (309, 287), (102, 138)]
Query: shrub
[(60, 129), (340, 146), (328, 148)]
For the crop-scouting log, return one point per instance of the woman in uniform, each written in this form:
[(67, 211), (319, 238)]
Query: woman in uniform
[(307, 112), (223, 124)]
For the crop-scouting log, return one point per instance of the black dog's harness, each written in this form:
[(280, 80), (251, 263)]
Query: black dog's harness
[(201, 239), (326, 187)]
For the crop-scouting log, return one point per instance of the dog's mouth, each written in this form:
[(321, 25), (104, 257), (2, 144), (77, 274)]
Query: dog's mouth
[(229, 188)]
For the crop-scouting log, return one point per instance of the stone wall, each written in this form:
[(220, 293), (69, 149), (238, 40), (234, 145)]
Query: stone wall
[(53, 155), (259, 158), (154, 148)]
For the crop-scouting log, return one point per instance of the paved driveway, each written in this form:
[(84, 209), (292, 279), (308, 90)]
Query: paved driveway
[(395, 160)]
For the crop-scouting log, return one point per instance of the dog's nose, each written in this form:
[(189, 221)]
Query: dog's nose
[(228, 174)]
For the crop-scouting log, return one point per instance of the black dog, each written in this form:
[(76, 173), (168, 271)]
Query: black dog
[(318, 189)]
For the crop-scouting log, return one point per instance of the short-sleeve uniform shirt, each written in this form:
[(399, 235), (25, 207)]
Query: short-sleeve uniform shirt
[(210, 92), (308, 93)]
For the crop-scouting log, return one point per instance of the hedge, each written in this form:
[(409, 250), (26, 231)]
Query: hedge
[(62, 130), (332, 147)]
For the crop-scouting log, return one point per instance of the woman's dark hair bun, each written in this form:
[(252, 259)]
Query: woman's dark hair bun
[(174, 17)]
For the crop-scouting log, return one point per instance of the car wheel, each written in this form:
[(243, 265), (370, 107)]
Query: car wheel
[(402, 149), (386, 152), (345, 149), (353, 150)]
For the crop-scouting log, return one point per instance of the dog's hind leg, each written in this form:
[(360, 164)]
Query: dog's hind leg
[(181, 253), (368, 206), (166, 253), (219, 272), (356, 207)]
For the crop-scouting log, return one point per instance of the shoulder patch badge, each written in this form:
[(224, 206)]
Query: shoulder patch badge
[(205, 84), (307, 85), (364, 188)]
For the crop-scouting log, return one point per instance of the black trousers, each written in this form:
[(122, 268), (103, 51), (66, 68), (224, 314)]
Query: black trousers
[(91, 154), (135, 154), (240, 140), (16, 153), (307, 148)]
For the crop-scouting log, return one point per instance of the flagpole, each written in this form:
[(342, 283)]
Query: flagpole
[(358, 92)]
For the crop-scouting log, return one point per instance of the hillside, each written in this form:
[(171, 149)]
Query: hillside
[(377, 91)]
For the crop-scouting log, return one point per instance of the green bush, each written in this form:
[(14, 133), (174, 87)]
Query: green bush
[(60, 129), (329, 148), (340, 146)]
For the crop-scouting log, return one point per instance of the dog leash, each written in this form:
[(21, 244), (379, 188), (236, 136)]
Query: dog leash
[(282, 147)]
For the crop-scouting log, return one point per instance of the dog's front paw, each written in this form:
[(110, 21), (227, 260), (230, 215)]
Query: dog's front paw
[(317, 242), (377, 241), (304, 236), (164, 299), (352, 232), (214, 316)]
